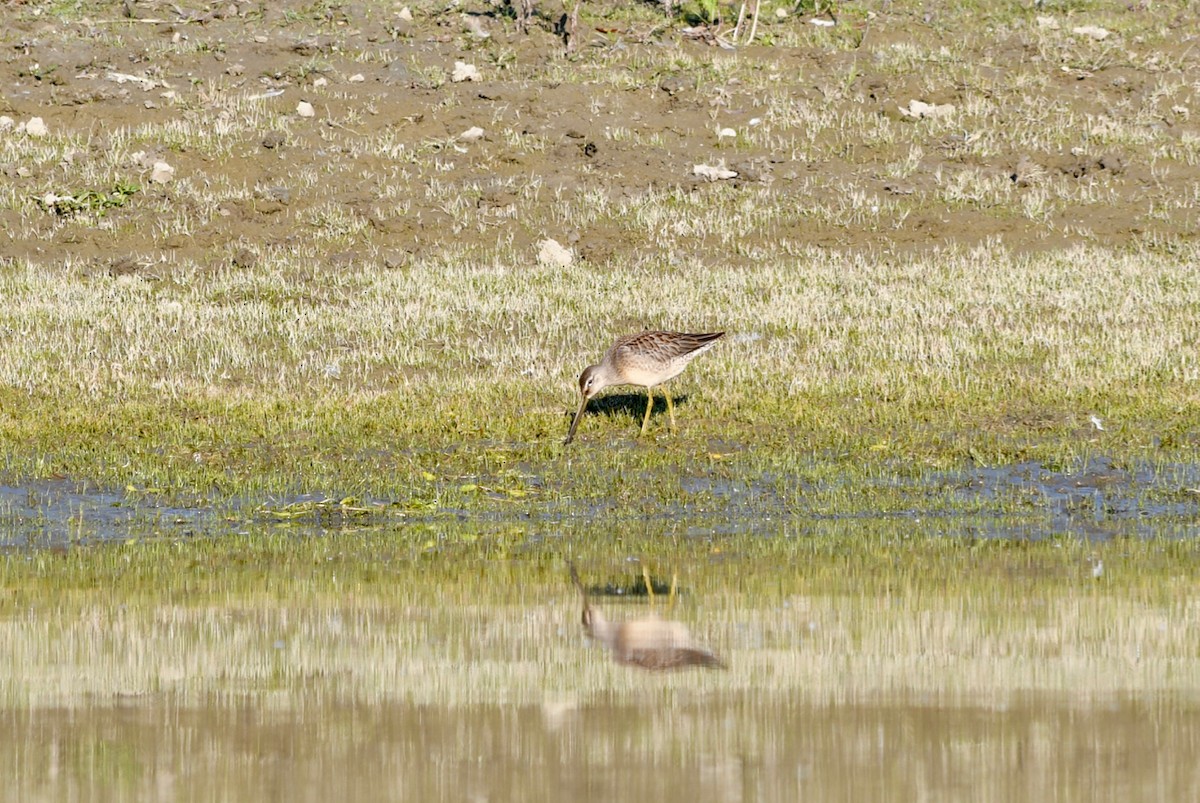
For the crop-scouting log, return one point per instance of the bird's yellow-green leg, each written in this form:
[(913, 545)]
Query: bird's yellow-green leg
[(649, 584), (649, 407), (670, 408), (674, 589)]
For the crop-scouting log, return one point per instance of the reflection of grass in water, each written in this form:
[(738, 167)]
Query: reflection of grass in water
[(854, 612), (668, 745)]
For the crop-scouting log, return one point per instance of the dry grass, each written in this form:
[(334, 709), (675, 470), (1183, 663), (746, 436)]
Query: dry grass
[(188, 378), (967, 322)]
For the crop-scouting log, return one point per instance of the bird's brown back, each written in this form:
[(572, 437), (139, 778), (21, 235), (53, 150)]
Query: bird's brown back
[(648, 358)]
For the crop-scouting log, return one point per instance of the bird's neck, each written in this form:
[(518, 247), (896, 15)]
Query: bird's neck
[(601, 629)]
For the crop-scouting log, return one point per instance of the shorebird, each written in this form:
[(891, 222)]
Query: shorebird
[(650, 643), (647, 359)]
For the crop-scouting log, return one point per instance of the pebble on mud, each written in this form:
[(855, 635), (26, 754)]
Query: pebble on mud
[(472, 134), (305, 109), (36, 127), (162, 173), (1027, 172), (464, 72), (919, 110), (554, 254), (475, 27), (674, 84), (712, 173), (1092, 32)]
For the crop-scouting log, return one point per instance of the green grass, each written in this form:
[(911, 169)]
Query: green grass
[(408, 385)]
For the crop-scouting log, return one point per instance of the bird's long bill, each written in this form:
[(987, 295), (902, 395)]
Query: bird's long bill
[(575, 576), (575, 421)]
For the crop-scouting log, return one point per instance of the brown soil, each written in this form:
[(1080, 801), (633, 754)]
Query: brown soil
[(567, 107)]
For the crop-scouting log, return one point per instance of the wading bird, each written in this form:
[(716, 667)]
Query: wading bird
[(647, 359), (651, 643)]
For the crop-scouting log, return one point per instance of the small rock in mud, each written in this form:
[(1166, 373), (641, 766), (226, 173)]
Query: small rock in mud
[(1026, 173), (395, 260), (1112, 163), (674, 84), (713, 173), (162, 173), (141, 159), (751, 170), (1080, 167), (305, 109), (476, 27), (400, 28), (894, 188), (274, 139), (1092, 32), (275, 194), (243, 258), (397, 74), (552, 253), (919, 110), (472, 134), (36, 127), (310, 47), (464, 72)]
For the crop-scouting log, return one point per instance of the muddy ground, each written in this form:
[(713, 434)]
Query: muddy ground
[(637, 106)]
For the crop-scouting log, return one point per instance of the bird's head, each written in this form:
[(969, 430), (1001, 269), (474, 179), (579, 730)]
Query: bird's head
[(591, 381)]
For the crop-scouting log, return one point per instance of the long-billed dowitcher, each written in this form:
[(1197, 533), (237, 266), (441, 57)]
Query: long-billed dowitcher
[(648, 643), (647, 359)]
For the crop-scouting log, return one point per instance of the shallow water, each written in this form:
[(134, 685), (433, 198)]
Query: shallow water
[(924, 654), (1095, 500), (669, 747)]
